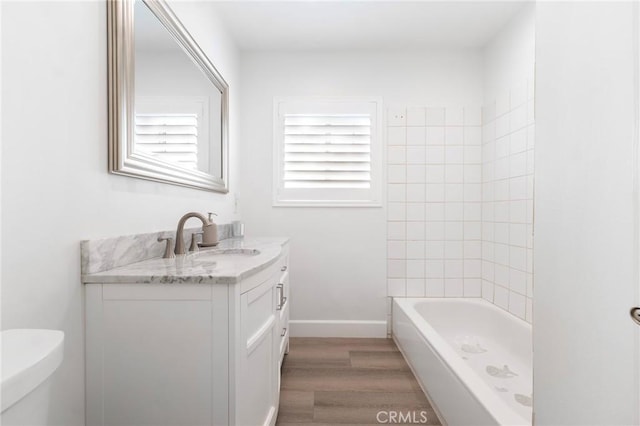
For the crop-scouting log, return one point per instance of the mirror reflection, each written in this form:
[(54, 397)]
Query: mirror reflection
[(177, 109)]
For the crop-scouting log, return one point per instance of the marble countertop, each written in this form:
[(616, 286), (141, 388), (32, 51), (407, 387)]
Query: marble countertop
[(208, 266)]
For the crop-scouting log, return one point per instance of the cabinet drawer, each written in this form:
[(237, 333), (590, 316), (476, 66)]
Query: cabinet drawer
[(257, 313)]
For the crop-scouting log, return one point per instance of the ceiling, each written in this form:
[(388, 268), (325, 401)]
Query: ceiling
[(368, 24)]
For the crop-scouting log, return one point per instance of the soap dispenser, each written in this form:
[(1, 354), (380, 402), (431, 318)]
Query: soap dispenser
[(210, 233)]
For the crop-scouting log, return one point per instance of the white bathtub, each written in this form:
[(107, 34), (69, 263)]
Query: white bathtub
[(458, 349)]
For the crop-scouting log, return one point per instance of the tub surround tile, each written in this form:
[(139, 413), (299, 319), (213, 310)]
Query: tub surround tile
[(196, 268), (461, 199)]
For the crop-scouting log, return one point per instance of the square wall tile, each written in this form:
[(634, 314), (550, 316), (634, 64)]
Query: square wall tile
[(415, 231), (518, 142), (517, 304), (396, 155), (454, 136), (472, 173), (435, 212), (472, 287), (434, 250), (473, 136), (397, 192), (435, 117), (454, 155), (434, 155), (415, 287), (435, 136), (435, 173), (453, 250), (416, 250), (415, 212), (416, 116), (472, 249), (416, 174), (454, 231), (488, 112), (416, 135), (434, 287), (454, 192), (415, 268), (453, 268), (472, 211), (454, 116), (416, 192), (501, 297), (434, 268), (396, 174), (472, 230), (472, 116), (518, 281), (454, 212), (454, 173), (434, 231), (415, 155), (453, 287), (472, 268), (434, 192), (396, 135), (487, 290)]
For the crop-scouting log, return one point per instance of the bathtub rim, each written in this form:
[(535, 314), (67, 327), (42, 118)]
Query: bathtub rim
[(500, 411)]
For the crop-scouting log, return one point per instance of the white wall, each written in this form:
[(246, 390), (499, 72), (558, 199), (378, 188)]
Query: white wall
[(55, 187), (507, 166), (509, 58), (338, 255), (586, 347)]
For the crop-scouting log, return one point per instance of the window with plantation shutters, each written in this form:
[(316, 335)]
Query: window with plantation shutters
[(169, 137), (327, 152)]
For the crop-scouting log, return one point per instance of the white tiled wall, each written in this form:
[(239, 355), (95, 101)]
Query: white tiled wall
[(460, 201), (507, 201), (434, 178)]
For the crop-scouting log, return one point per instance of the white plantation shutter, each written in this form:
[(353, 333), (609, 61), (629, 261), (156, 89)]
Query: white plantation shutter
[(169, 137), (327, 152)]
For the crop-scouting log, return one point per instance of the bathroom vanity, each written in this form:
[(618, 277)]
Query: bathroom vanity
[(193, 340)]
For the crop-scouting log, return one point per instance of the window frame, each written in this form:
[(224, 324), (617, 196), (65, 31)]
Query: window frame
[(328, 197)]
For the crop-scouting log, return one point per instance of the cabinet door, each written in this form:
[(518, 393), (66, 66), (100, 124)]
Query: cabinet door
[(258, 388)]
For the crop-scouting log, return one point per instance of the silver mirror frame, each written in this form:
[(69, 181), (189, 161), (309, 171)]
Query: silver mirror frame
[(121, 79)]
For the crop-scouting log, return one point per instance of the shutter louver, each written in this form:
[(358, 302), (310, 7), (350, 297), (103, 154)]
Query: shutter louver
[(327, 151), (171, 138)]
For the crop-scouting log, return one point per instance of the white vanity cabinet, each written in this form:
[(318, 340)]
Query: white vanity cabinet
[(187, 353)]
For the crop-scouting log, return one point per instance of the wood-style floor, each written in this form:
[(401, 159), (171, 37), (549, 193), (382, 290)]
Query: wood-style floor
[(348, 381)]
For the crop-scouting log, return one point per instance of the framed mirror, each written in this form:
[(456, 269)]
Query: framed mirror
[(168, 105)]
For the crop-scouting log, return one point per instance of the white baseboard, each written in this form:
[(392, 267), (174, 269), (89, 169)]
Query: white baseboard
[(337, 328)]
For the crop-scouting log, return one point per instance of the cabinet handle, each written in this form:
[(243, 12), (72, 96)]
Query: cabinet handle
[(280, 288), (284, 331), (284, 268)]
